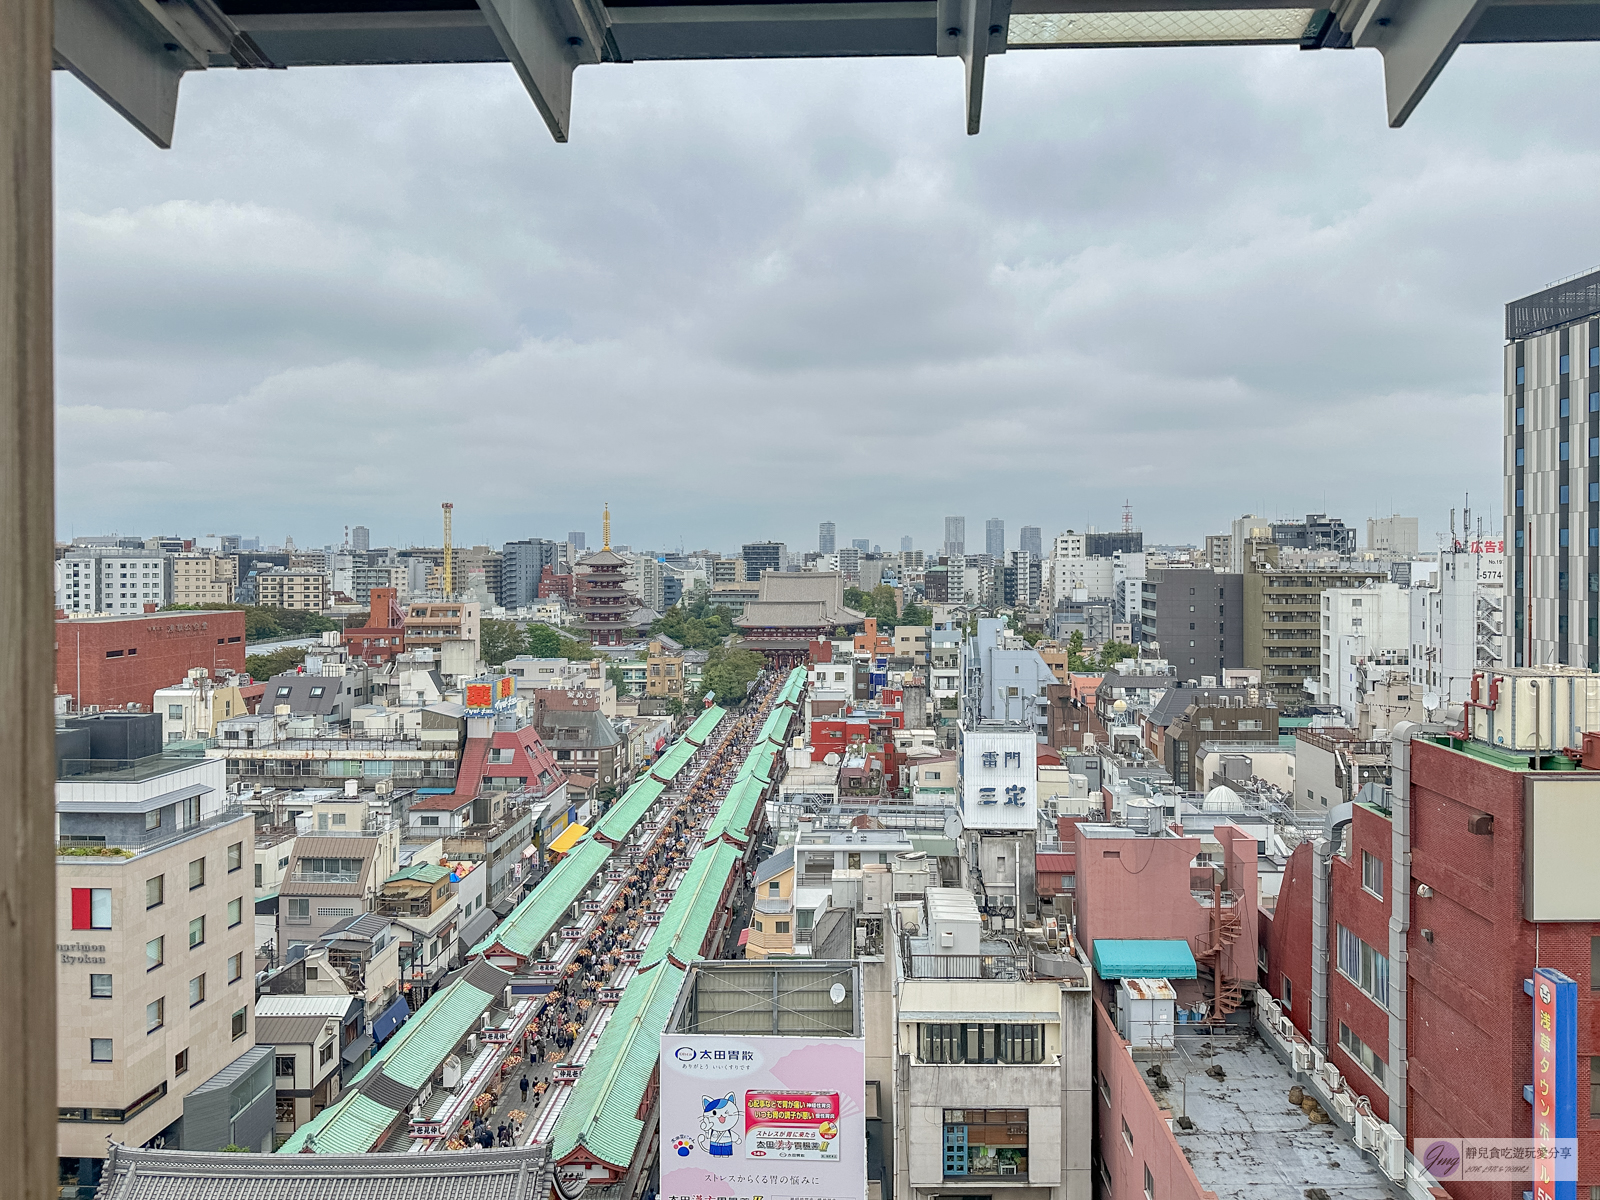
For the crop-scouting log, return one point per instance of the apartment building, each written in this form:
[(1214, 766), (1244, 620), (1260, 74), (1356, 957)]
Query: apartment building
[(1458, 621), (292, 588), (1283, 622), (665, 667), (112, 579), (1360, 626), (154, 989), (1194, 618), (1552, 474), (449, 629), (994, 1077), (202, 578)]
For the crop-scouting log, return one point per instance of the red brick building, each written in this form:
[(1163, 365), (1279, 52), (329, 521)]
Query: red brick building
[(1468, 946), (384, 634), (113, 662)]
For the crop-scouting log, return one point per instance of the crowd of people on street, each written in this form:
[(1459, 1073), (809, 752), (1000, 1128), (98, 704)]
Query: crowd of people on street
[(568, 1006)]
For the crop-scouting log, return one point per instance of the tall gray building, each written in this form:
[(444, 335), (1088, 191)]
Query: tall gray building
[(1196, 616), (994, 538), (862, 544), (521, 565), (579, 539), (826, 537), (763, 556), (1032, 541), (905, 544), (955, 535), (360, 539), (1552, 475)]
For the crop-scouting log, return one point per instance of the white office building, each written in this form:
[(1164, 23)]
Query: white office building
[(1458, 625), (1360, 625), (112, 579)]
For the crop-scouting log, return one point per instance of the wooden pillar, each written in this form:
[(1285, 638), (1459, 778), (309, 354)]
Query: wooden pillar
[(27, 607)]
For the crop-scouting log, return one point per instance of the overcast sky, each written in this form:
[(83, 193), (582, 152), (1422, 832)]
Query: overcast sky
[(747, 297)]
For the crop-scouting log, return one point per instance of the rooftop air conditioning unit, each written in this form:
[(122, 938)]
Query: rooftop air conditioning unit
[(1367, 1132), (1344, 1105), (1392, 1152), (1316, 1061), (1330, 1077), (1301, 1053)]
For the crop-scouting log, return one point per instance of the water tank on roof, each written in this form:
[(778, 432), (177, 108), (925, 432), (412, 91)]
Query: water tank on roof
[(1223, 799)]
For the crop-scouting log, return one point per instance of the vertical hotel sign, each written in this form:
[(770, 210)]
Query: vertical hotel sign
[(1555, 1081)]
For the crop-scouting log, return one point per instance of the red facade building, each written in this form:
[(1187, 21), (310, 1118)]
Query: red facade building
[(112, 662), (384, 634), (1469, 946)]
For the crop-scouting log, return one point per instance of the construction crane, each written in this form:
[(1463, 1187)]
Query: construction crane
[(449, 575)]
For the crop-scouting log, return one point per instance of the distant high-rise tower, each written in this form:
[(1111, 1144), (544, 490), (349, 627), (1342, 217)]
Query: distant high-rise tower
[(825, 537), (905, 544), (360, 539), (994, 538), (579, 540), (861, 543), (955, 535), (1032, 542)]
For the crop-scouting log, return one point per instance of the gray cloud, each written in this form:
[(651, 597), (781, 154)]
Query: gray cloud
[(749, 296)]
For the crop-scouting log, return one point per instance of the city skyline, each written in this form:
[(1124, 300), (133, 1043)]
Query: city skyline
[(827, 305)]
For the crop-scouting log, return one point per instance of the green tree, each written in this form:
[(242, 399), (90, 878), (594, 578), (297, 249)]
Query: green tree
[(1114, 652), (498, 641), (264, 622), (543, 642), (674, 707), (695, 622), (618, 681), (274, 662), (730, 671)]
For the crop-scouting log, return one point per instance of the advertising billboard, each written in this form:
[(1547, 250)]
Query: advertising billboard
[(489, 695), (783, 1118), (1555, 1082)]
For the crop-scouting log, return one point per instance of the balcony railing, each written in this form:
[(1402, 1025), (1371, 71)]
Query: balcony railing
[(149, 839), (173, 757)]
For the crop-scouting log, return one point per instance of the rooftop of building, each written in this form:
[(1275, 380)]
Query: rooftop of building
[(510, 1174), (1247, 1140)]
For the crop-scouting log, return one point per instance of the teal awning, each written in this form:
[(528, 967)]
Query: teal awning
[(1143, 958)]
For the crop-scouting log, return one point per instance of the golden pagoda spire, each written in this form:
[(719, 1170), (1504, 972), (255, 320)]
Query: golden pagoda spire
[(605, 526)]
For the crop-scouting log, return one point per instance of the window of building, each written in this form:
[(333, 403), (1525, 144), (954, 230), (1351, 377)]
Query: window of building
[(1566, 410), (757, 926), (1520, 414), (91, 908), (1519, 497), (782, 927), (980, 1043), (284, 691), (154, 953), (1363, 1054), (235, 856), (1249, 726), (235, 912), (152, 820), (1519, 456), (239, 1024), (235, 968), (325, 1053), (772, 888), (985, 1141), (197, 874), (1149, 1184), (155, 891), (1372, 874), (285, 1066), (1566, 363), (99, 1049), (1127, 1135), (180, 1062), (1364, 966), (1287, 993), (99, 987), (197, 990), (258, 874), (197, 932), (299, 911), (155, 1014)]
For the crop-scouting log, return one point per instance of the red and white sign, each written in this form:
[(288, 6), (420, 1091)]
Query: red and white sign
[(791, 1125)]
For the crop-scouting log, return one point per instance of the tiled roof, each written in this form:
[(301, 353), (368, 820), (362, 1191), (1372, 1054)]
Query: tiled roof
[(385, 1086), (693, 906), (625, 813), (135, 1174), (289, 1031), (448, 802), (533, 919), (602, 1114)]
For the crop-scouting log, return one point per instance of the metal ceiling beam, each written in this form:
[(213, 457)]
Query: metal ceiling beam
[(126, 59), (546, 40), (1416, 39)]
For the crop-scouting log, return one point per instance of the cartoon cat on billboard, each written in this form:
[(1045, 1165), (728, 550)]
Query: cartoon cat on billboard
[(718, 1121)]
